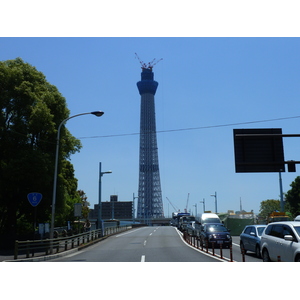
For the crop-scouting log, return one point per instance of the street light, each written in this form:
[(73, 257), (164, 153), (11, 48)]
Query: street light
[(95, 113), (100, 200), (203, 204), (215, 195)]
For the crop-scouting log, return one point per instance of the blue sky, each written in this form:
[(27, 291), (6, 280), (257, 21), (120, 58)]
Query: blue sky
[(203, 83)]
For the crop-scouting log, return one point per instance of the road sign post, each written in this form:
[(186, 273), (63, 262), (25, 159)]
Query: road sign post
[(34, 199)]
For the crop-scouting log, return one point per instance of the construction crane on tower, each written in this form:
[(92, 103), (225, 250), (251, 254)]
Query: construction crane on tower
[(187, 202), (176, 209), (150, 65)]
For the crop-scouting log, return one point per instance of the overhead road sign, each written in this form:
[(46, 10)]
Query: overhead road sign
[(258, 150)]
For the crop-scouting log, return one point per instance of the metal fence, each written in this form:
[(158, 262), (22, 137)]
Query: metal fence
[(52, 246)]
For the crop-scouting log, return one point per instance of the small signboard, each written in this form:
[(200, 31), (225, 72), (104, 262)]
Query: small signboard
[(77, 209), (34, 198)]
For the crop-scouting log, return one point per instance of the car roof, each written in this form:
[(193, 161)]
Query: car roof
[(292, 223), (257, 225)]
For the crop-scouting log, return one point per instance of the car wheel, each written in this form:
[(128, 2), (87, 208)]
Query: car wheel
[(257, 251), (242, 248), (297, 259), (265, 256)]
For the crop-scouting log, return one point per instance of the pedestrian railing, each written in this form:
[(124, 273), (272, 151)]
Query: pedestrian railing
[(56, 245)]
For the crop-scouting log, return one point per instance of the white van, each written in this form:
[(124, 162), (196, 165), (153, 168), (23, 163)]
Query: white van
[(209, 218)]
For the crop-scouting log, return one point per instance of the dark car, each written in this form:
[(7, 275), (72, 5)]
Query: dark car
[(215, 233), (193, 228), (250, 238)]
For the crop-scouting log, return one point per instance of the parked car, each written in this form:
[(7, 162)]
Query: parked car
[(281, 241), (250, 238), (193, 228), (184, 221), (215, 233)]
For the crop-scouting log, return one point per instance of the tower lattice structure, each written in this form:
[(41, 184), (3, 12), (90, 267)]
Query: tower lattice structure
[(150, 203)]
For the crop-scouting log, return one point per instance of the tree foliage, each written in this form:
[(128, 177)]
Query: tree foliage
[(31, 110), (267, 207), (85, 204), (292, 197)]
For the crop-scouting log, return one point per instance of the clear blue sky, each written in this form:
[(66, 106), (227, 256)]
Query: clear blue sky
[(203, 82)]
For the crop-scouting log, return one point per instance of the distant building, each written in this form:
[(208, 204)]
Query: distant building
[(113, 209)]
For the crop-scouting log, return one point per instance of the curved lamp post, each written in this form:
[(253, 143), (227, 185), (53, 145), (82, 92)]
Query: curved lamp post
[(95, 113), (100, 224), (216, 201)]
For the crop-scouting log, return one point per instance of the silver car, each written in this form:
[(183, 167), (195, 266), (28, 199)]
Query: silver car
[(280, 241), (250, 238), (193, 228)]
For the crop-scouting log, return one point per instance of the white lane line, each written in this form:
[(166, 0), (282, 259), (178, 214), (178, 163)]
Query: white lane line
[(130, 231), (143, 258), (203, 252), (150, 233), (145, 242)]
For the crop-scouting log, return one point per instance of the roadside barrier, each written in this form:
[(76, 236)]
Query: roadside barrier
[(195, 242), (243, 254), (44, 247)]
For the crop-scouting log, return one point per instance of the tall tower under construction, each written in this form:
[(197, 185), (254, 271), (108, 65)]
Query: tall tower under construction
[(150, 203)]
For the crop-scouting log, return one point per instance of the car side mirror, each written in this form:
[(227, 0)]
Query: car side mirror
[(288, 237), (252, 233)]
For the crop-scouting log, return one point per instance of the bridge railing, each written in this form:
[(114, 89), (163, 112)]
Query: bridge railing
[(44, 247)]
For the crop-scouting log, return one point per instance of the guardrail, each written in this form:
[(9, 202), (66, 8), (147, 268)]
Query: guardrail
[(43, 247), (195, 242)]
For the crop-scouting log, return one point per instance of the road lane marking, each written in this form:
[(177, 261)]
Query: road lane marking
[(145, 242), (203, 252), (150, 233), (130, 231), (143, 258)]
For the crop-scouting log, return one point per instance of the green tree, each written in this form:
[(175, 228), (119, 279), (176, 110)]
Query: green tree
[(30, 111), (292, 197), (268, 206), (85, 204), (65, 210)]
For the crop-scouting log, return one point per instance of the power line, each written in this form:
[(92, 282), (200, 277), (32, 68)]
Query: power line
[(191, 128), (171, 130)]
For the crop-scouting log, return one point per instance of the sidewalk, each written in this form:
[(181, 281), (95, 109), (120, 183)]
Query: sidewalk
[(6, 255), (36, 258)]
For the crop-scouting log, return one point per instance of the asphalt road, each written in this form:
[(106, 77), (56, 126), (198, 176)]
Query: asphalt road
[(145, 244), (236, 252), (153, 244)]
